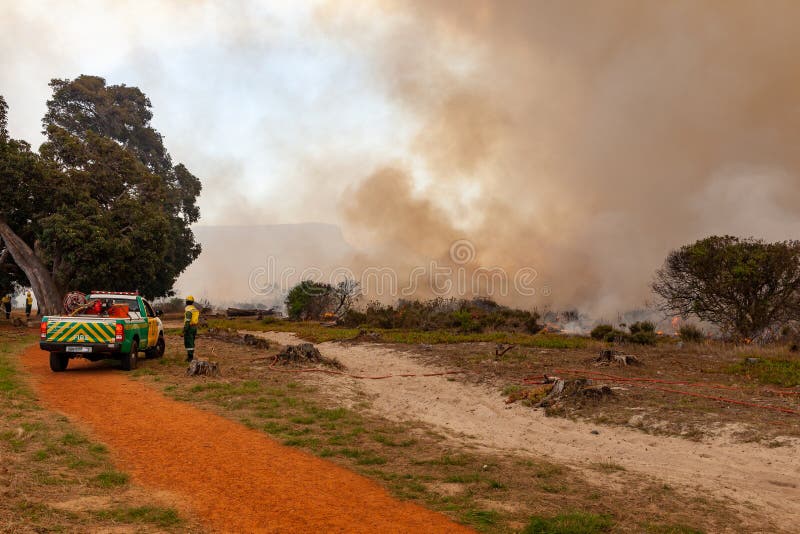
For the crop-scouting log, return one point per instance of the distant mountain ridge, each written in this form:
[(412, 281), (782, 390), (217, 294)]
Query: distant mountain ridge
[(236, 257)]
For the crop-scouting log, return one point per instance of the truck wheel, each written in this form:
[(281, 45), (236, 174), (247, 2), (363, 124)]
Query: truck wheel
[(158, 350), (58, 362), (130, 360)]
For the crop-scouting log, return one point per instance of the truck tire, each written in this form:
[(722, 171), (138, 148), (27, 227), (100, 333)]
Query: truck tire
[(58, 362), (158, 350), (130, 360)]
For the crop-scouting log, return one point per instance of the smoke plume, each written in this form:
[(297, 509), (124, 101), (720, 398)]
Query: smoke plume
[(584, 139)]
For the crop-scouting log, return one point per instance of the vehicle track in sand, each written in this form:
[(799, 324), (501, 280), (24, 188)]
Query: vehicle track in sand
[(755, 477), (234, 478)]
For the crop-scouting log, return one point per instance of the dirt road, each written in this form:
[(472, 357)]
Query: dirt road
[(236, 479), (756, 477)]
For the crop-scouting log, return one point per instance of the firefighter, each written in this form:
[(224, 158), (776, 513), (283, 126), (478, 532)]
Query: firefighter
[(28, 304), (191, 318), (7, 305)]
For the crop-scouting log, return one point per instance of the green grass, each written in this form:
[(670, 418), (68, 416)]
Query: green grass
[(480, 518), (317, 333), (162, 517), (569, 523), (777, 371), (110, 479)]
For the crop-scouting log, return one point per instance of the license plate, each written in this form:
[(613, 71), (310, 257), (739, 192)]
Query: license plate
[(79, 349)]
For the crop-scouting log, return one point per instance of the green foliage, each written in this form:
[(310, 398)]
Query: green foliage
[(690, 333), (308, 300), (109, 479), (103, 201), (465, 322), (642, 326), (745, 286), (569, 523), (778, 371), (601, 331), (462, 316), (643, 338), (615, 336)]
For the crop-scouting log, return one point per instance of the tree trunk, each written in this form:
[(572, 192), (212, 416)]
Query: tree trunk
[(44, 287)]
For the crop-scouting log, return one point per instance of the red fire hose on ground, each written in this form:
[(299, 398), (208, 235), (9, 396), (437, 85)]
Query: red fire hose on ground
[(645, 383)]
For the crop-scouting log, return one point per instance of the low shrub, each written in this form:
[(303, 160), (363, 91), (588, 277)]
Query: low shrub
[(616, 336), (642, 326), (643, 337), (691, 334), (601, 331)]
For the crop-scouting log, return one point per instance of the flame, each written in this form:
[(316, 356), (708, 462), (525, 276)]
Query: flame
[(676, 323)]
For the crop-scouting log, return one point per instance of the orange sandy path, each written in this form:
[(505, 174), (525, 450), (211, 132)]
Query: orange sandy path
[(236, 479)]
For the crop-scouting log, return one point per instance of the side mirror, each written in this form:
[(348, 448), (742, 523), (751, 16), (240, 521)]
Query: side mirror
[(159, 313)]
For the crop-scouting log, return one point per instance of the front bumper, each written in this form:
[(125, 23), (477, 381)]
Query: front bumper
[(94, 348)]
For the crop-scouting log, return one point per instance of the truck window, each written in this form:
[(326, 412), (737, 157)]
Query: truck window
[(148, 309)]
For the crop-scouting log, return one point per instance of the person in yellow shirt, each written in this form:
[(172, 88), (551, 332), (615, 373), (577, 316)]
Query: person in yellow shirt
[(28, 304), (191, 319), (7, 305)]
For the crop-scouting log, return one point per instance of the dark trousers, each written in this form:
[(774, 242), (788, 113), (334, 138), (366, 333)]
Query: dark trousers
[(8, 310), (189, 335), (27, 310)]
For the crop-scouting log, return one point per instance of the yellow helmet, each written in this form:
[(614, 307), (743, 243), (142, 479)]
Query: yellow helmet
[(190, 299)]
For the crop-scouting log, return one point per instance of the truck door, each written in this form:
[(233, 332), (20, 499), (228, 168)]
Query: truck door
[(152, 325)]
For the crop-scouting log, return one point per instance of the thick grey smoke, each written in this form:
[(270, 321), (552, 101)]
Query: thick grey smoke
[(583, 139), (590, 137)]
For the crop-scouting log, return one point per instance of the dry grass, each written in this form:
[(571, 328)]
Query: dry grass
[(647, 409), (316, 333), (493, 493), (53, 478)]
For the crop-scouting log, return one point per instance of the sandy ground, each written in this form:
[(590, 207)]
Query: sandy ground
[(236, 479), (766, 480)]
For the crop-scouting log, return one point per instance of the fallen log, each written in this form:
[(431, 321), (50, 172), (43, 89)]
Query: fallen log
[(579, 389), (609, 356), (305, 354), (249, 312), (230, 335)]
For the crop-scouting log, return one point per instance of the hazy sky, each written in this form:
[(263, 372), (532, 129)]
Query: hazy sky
[(584, 139), (252, 96)]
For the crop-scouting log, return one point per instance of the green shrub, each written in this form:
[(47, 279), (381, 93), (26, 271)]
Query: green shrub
[(643, 337), (642, 326), (532, 323), (353, 318), (617, 336), (464, 322), (600, 331), (691, 333), (308, 300)]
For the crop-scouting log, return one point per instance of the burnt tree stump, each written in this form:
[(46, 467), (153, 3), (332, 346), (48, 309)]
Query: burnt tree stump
[(202, 367)]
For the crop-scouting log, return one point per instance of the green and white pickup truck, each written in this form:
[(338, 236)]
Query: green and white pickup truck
[(110, 325)]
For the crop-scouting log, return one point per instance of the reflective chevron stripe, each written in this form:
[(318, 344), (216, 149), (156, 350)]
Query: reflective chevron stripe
[(80, 332)]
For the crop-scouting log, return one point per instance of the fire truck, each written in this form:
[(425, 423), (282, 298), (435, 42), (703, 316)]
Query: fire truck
[(103, 325)]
